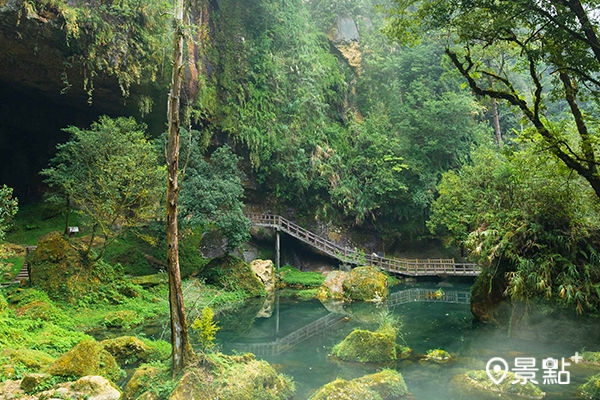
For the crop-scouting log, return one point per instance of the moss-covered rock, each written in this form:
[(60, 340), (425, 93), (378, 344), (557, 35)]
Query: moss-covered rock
[(31, 382), (67, 273), (333, 286), (438, 356), (140, 382), (365, 283), (389, 384), (591, 389), (233, 377), (33, 360), (234, 274), (87, 358), (345, 390), (481, 380), (148, 281), (130, 350), (86, 387), (366, 346), (124, 319)]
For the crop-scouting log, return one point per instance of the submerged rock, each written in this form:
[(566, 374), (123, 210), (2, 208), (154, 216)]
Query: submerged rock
[(438, 355), (384, 385), (87, 358)]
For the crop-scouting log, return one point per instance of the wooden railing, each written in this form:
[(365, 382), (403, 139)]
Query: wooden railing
[(416, 267)]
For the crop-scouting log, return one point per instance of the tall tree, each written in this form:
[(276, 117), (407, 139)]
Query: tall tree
[(553, 43), (179, 337), (110, 174)]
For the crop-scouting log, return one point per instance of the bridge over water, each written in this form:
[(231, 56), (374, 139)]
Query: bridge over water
[(395, 299), (414, 267)]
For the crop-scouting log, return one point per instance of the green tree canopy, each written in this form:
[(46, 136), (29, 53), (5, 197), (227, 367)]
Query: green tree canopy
[(525, 217), (542, 57), (109, 173), (8, 208), (212, 193)]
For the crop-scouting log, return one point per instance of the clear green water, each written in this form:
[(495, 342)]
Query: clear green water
[(426, 325)]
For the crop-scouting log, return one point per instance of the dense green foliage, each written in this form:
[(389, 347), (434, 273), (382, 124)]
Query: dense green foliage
[(206, 328), (125, 39), (110, 174), (8, 208), (522, 214), (293, 278), (212, 193), (540, 57)]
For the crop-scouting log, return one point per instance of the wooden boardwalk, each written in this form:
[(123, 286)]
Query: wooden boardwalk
[(416, 267), (322, 324)]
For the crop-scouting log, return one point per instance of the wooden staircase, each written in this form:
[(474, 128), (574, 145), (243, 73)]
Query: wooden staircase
[(415, 267)]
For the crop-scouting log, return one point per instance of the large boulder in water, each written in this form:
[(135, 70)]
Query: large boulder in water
[(365, 283), (264, 270), (366, 346), (333, 286), (386, 385)]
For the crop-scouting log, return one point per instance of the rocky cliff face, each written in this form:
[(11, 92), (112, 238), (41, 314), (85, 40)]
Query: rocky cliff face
[(42, 91)]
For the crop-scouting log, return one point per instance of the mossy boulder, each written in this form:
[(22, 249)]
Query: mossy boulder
[(233, 377), (140, 382), (86, 387), (87, 358), (122, 319), (30, 359), (366, 346), (65, 272), (129, 350), (365, 283), (148, 281), (31, 382), (233, 274), (389, 384), (341, 389), (591, 389), (384, 385), (481, 381), (439, 356), (333, 286)]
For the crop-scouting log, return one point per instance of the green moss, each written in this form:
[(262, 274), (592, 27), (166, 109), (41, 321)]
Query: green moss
[(345, 390), (130, 350), (87, 358), (591, 389), (3, 304), (481, 380), (33, 360), (233, 274), (366, 346), (143, 380), (591, 356), (293, 278), (365, 283), (147, 281), (438, 355), (233, 377), (124, 319), (389, 384)]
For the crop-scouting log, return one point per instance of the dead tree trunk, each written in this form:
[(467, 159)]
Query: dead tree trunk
[(179, 339)]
